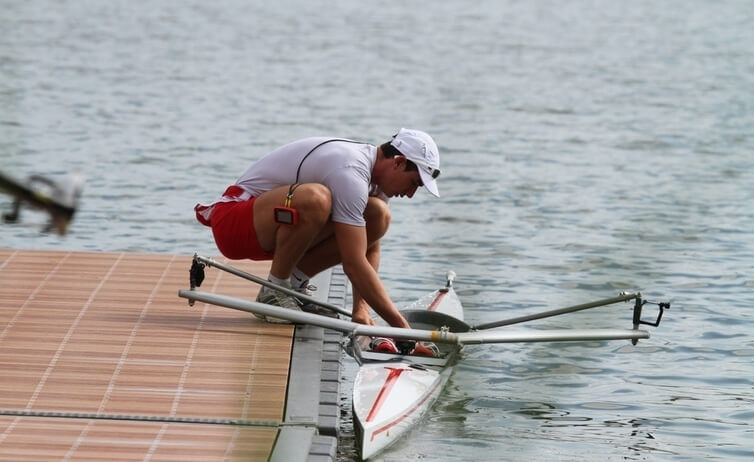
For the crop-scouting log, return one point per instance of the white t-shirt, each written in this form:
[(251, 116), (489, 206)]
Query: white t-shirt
[(344, 166)]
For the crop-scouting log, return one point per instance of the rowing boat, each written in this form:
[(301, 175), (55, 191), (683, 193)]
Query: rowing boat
[(392, 392)]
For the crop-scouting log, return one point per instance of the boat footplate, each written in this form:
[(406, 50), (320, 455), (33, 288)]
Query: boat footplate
[(405, 346)]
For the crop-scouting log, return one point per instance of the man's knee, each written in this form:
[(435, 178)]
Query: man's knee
[(314, 201)]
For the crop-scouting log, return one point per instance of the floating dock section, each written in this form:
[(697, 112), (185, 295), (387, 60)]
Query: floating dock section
[(100, 360)]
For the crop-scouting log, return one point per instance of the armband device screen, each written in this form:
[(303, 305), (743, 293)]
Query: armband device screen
[(286, 214)]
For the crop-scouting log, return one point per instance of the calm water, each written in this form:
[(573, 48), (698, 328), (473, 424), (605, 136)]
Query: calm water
[(587, 148)]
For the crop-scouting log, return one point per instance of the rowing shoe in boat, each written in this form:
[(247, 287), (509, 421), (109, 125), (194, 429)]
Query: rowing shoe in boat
[(393, 391)]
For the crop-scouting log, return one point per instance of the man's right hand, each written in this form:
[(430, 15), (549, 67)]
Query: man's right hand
[(361, 316)]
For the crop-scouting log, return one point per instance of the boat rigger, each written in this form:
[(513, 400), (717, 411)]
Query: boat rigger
[(393, 391)]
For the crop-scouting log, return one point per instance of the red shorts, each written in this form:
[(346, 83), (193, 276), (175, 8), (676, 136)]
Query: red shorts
[(233, 229)]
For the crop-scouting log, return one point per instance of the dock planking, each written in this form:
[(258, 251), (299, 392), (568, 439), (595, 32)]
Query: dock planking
[(99, 358)]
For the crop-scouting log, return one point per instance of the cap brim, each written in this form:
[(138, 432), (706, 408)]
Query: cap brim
[(429, 183)]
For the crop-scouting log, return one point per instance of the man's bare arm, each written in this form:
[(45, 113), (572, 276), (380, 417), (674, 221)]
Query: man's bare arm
[(352, 245), (360, 306)]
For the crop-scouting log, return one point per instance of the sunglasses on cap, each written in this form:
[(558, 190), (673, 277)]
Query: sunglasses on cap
[(433, 172)]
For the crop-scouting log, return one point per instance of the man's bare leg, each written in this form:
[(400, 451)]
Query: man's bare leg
[(324, 254), (377, 216), (290, 242)]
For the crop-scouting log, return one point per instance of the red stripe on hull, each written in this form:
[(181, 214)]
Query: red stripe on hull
[(392, 377), (436, 302), (406, 414)]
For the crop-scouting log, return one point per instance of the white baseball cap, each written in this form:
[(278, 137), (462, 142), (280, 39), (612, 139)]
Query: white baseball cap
[(420, 148)]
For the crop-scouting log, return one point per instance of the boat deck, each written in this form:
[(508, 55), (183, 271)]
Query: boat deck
[(100, 358)]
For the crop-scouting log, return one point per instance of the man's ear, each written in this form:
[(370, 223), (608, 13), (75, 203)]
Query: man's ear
[(400, 161)]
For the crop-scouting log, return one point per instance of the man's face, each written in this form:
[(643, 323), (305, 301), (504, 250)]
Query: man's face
[(401, 182)]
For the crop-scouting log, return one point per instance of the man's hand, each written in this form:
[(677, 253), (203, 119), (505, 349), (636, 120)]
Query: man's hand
[(362, 317)]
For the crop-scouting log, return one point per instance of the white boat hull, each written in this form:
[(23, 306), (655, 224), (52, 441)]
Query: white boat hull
[(393, 397), (392, 392)]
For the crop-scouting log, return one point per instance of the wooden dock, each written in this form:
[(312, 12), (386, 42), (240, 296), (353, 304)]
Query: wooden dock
[(100, 360)]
